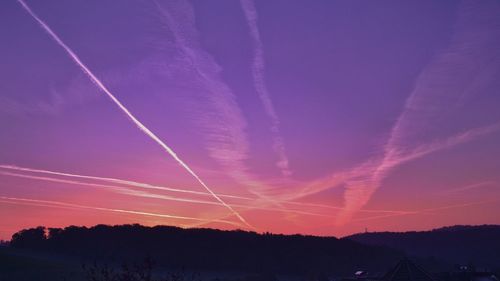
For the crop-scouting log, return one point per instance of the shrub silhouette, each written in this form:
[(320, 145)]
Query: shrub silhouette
[(139, 271)]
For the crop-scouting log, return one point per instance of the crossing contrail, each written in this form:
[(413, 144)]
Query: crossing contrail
[(122, 183), (117, 189), (141, 126), (137, 193), (119, 181)]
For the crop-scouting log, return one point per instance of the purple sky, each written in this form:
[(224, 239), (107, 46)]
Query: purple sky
[(320, 117)]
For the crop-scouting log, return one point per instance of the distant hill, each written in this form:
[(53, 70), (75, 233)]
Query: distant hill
[(208, 249), (477, 245)]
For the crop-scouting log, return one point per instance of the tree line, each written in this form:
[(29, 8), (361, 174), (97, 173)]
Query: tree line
[(209, 249)]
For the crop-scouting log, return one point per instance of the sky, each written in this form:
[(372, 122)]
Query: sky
[(313, 117)]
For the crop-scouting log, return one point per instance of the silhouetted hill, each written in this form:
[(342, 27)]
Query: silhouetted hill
[(478, 245), (208, 249)]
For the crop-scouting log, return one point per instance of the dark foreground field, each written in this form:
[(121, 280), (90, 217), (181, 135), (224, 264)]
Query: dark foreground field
[(23, 265)]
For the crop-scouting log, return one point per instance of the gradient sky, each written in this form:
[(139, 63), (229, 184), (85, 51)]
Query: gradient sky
[(316, 117)]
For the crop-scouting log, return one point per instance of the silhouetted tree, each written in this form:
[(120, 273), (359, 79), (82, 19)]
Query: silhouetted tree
[(33, 238)]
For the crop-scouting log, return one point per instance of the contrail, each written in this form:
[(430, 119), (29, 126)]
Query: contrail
[(360, 189), (365, 178), (423, 211), (136, 193), (258, 66), (49, 203), (466, 69), (146, 186), (226, 136), (342, 208), (117, 189), (141, 126), (119, 181), (405, 213), (470, 186)]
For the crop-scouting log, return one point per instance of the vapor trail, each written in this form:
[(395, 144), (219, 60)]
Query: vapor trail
[(226, 136), (362, 180), (361, 188), (49, 203), (258, 69), (117, 189), (141, 126), (465, 70), (128, 191), (142, 194), (423, 211), (342, 208), (470, 186), (119, 181)]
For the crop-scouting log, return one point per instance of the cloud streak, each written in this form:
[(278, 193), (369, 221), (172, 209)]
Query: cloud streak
[(470, 187), (428, 210), (141, 126), (49, 203), (258, 73), (363, 180), (223, 124), (359, 189), (438, 94), (149, 195), (119, 181), (117, 189)]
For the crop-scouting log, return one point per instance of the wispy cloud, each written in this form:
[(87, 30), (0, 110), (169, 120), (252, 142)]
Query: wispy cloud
[(14, 107), (359, 189), (429, 210), (362, 181), (258, 73), (139, 124), (53, 105), (439, 89), (439, 92), (470, 187), (452, 75), (223, 124)]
